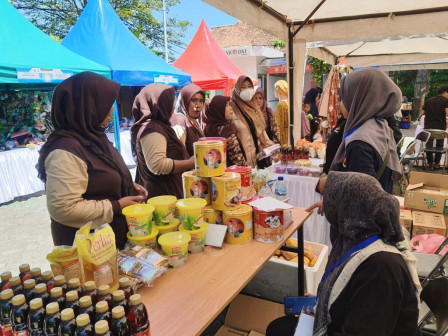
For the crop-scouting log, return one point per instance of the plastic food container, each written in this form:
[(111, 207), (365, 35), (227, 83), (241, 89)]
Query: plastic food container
[(163, 209), (175, 246), (280, 169), (139, 219), (197, 242), (292, 170), (191, 212), (146, 241), (171, 227), (304, 171)]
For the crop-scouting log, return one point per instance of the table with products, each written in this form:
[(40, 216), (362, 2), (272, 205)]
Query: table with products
[(301, 193), (185, 300)]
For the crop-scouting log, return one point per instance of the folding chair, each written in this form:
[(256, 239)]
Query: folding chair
[(399, 146), (435, 295), (405, 163), (435, 135)]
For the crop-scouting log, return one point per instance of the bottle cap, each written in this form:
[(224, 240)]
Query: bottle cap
[(36, 303), (47, 275), (14, 281), (6, 294), (30, 283), (71, 296), (82, 320), (52, 308), (40, 288), (280, 178), (135, 299), (18, 300), (118, 295), (24, 268), (67, 314), (101, 327), (35, 272), (124, 282), (89, 285), (85, 301), (5, 276), (101, 307), (56, 292), (117, 312), (104, 289), (74, 283), (59, 280)]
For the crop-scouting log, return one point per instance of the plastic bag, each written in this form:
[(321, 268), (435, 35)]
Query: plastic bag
[(428, 243), (98, 255), (64, 261)]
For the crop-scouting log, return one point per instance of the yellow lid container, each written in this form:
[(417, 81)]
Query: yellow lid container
[(175, 246), (139, 219), (191, 212), (197, 242), (163, 209), (145, 241)]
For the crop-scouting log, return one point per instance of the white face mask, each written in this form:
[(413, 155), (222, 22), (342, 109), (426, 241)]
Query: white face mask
[(247, 94)]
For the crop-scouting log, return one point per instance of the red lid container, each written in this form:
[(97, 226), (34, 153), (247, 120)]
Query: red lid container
[(245, 172)]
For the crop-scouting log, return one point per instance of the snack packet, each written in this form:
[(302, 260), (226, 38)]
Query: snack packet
[(64, 261), (98, 255)]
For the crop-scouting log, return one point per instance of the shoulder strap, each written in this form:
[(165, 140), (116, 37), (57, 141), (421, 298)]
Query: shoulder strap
[(384, 165)]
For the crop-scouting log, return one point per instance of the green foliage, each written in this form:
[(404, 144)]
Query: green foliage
[(405, 81), (56, 17), (439, 78), (319, 68), (279, 43)]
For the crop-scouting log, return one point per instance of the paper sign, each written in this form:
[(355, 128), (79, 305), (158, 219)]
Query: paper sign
[(215, 234), (270, 204), (305, 325)]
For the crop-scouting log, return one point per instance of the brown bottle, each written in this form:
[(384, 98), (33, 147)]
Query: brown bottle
[(138, 317), (74, 284), (19, 316), (36, 274), (16, 285), (5, 311), (126, 287), (36, 318), (25, 273), (83, 326), (52, 319), (41, 292), (104, 295), (86, 307), (56, 295), (5, 276), (59, 281), (47, 278), (102, 328), (120, 300), (28, 289), (120, 325), (72, 301), (90, 290), (102, 312)]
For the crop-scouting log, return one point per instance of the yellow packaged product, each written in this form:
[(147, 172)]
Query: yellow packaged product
[(64, 261), (98, 255)]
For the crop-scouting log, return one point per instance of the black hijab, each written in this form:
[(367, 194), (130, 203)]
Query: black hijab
[(215, 120), (79, 105)]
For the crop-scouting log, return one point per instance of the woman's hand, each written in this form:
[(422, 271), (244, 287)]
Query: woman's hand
[(319, 205), (141, 190), (130, 200)]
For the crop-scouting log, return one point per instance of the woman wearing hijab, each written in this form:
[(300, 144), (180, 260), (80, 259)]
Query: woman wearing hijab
[(161, 156), (370, 286), (268, 114), (85, 177), (311, 98), (219, 123), (368, 146), (249, 121), (186, 121), (282, 110)]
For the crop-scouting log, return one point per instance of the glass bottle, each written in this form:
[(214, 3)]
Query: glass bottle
[(19, 315), (5, 276), (120, 325), (104, 295), (28, 289), (59, 281), (16, 285), (86, 307), (36, 318), (52, 319), (40, 291), (47, 278), (5, 311), (102, 328), (36, 274), (90, 290), (120, 300), (102, 312), (68, 324), (74, 284), (25, 273), (126, 287), (56, 295), (72, 301), (138, 317), (83, 326)]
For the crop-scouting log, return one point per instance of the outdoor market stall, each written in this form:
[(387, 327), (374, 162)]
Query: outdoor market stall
[(31, 65)]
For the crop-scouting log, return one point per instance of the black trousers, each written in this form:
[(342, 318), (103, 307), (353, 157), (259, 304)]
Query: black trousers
[(438, 156)]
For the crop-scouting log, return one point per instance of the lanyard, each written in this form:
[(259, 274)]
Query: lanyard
[(348, 254), (353, 130)]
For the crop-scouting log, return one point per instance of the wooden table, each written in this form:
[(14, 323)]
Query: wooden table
[(185, 300)]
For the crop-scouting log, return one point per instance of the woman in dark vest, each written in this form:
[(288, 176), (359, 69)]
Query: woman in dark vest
[(85, 177), (161, 157)]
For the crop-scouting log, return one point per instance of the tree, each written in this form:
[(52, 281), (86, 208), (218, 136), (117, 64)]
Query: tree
[(421, 89), (56, 17), (319, 68)]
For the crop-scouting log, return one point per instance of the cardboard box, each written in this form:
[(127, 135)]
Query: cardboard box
[(406, 219), (427, 192), (426, 222), (249, 316)]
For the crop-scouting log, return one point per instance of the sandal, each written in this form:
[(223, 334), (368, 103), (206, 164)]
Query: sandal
[(437, 166)]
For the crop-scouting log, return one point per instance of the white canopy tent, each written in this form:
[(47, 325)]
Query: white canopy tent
[(392, 34)]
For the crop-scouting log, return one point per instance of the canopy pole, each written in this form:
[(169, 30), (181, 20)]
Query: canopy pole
[(291, 85), (117, 128)]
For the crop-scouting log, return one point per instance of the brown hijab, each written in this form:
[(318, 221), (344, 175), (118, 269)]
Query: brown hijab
[(370, 96), (215, 120), (79, 105)]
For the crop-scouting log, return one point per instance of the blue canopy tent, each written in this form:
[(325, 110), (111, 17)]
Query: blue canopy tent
[(100, 35), (30, 57)]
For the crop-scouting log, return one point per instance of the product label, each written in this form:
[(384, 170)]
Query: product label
[(430, 203), (21, 333), (147, 332), (103, 275), (6, 330)]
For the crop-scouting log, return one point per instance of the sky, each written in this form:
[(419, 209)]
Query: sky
[(196, 10)]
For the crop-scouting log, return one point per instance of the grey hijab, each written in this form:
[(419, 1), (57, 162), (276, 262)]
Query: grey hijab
[(369, 94), (358, 207)]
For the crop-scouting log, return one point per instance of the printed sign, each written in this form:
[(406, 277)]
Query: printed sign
[(166, 79), (38, 75)]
